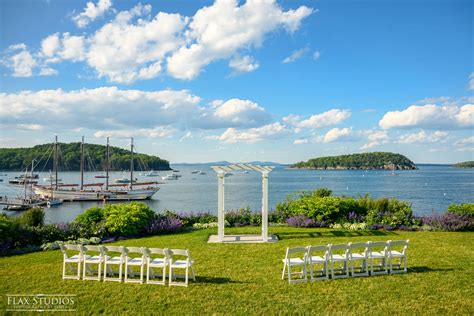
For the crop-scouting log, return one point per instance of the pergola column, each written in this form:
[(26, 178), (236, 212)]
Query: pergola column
[(265, 206), (220, 206)]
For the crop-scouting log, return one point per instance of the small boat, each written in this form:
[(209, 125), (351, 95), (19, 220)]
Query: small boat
[(195, 171), (201, 173), (101, 176), (124, 180), (54, 202), (151, 173), (228, 174), (51, 179), (175, 170), (28, 176), (19, 181), (245, 172), (170, 176)]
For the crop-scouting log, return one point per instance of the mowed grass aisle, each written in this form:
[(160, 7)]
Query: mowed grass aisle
[(245, 278)]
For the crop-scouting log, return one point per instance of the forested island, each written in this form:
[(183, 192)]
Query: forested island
[(365, 161), (466, 164), (17, 159)]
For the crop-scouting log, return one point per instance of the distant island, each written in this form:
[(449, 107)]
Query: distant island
[(365, 161), (17, 159), (466, 164)]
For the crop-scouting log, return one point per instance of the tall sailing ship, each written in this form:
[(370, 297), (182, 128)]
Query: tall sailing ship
[(96, 191)]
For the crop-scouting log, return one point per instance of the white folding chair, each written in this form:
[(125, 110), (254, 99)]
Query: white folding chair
[(339, 254), (68, 260), (111, 259), (93, 255), (291, 261), (134, 261), (393, 245), (318, 256), (359, 252), (377, 251), (185, 262), (156, 258)]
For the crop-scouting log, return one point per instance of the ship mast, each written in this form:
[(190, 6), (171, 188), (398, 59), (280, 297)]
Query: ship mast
[(107, 166), (131, 166), (82, 163), (56, 161)]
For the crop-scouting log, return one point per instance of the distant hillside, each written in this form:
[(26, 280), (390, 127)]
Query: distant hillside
[(17, 159), (466, 164), (375, 160)]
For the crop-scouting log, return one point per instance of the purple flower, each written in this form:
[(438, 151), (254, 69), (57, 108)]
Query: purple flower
[(303, 221), (164, 224), (450, 221)]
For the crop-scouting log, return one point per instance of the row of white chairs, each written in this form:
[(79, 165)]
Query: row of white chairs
[(82, 259), (342, 260)]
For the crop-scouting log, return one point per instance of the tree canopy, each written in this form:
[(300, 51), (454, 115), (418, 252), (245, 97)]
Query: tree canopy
[(374, 160), (17, 159)]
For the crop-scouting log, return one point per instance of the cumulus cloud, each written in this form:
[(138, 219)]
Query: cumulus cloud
[(157, 132), (252, 135), (338, 135), (222, 29), (316, 55), (375, 138), (471, 81), (328, 118), (295, 55), (465, 141), (300, 141), (110, 109), (20, 60), (430, 116), (91, 12), (137, 46), (423, 137), (242, 64)]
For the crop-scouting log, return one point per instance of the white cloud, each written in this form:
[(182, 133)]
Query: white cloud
[(20, 60), (465, 141), (375, 138), (30, 127), (50, 45), (423, 137), (295, 55), (328, 118), (252, 135), (471, 81), (300, 141), (125, 51), (338, 135), (222, 29), (430, 116), (113, 109), (47, 71), (188, 135), (316, 55), (243, 64), (91, 12), (157, 132)]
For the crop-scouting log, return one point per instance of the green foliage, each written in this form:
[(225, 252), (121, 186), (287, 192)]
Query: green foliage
[(466, 208), (90, 216), (243, 217), (466, 164), (32, 218), (16, 159), (127, 219), (390, 212), (374, 160)]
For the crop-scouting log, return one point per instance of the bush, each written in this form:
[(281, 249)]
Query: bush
[(303, 221), (466, 209), (449, 221), (243, 217), (189, 219), (164, 224), (90, 216), (33, 218), (389, 212), (127, 219)]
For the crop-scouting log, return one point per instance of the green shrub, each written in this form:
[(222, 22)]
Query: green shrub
[(32, 218), (51, 232), (390, 212), (91, 215), (466, 208), (7, 228), (127, 219)]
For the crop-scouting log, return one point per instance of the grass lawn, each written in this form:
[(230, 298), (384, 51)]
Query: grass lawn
[(245, 278)]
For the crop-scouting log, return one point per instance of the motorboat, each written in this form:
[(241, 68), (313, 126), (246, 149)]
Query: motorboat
[(151, 173), (54, 202), (171, 176), (201, 173), (195, 171)]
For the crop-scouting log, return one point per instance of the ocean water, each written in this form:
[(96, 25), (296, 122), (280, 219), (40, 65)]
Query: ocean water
[(431, 188)]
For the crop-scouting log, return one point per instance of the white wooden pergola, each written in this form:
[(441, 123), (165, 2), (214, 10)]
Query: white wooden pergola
[(221, 174)]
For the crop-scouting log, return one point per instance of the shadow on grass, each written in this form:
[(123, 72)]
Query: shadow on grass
[(214, 280), (334, 233), (424, 269)]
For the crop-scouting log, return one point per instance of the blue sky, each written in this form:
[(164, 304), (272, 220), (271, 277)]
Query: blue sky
[(240, 81)]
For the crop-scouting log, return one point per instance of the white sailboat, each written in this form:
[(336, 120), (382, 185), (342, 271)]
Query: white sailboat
[(97, 191)]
